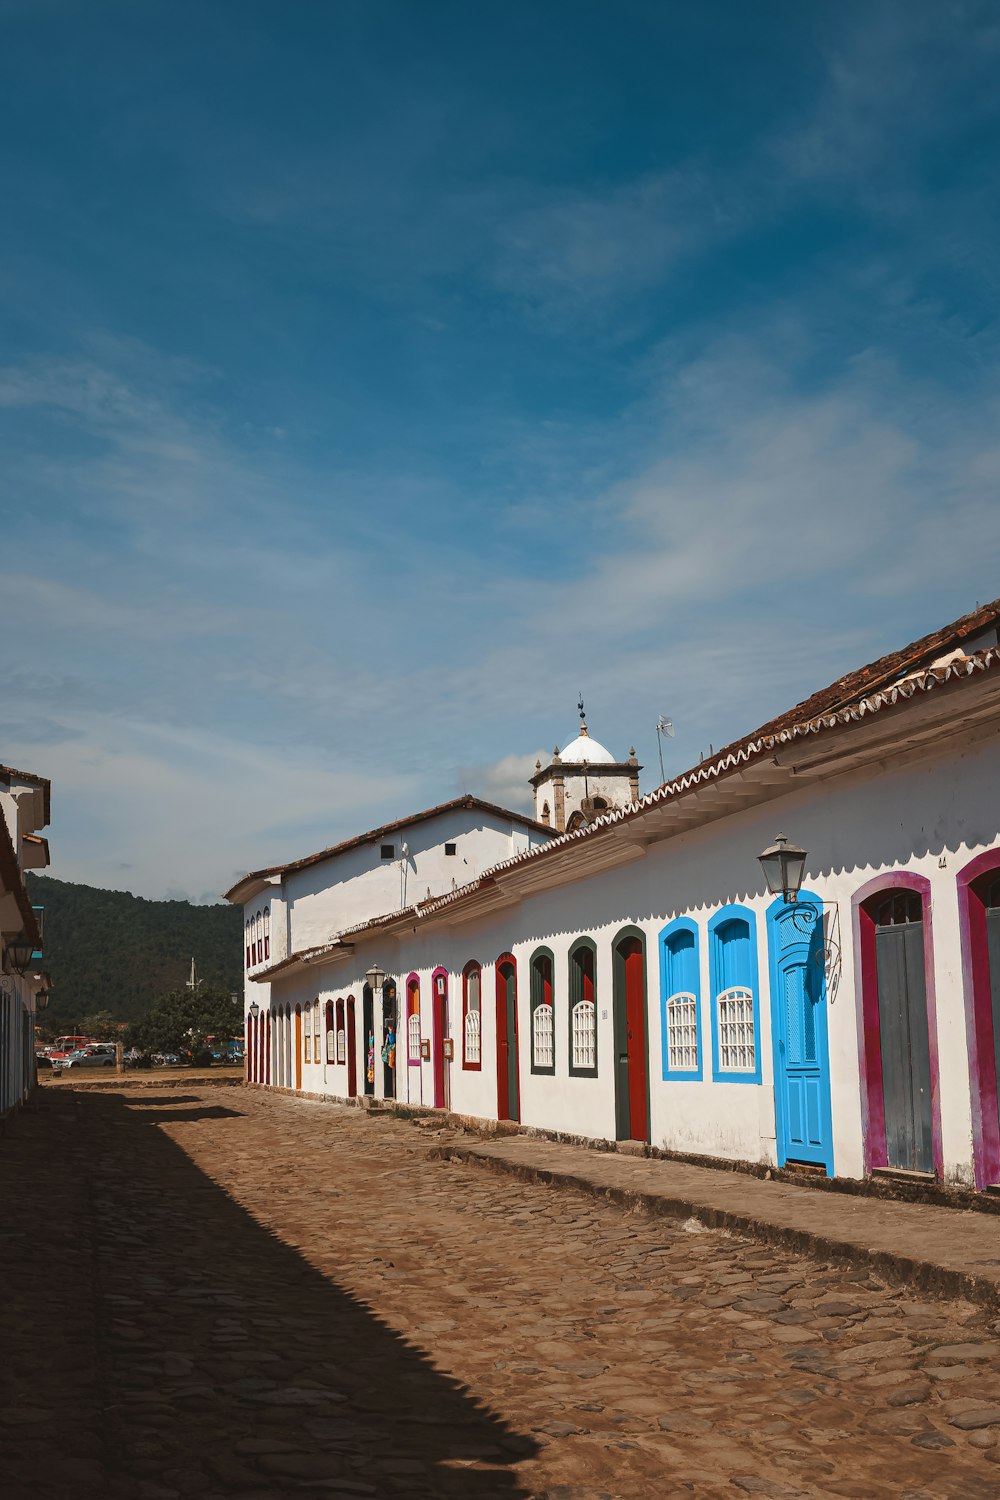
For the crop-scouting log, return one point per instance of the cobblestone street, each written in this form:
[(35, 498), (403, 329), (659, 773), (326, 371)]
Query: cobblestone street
[(218, 1292)]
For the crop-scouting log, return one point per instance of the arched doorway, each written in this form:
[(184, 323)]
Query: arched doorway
[(979, 910), (442, 1069), (390, 1041), (352, 1050), (897, 1024), (631, 1071), (368, 1023), (803, 1122), (508, 1086), (298, 1046)]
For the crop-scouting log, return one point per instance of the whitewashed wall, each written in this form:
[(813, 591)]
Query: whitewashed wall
[(928, 817), (328, 897)]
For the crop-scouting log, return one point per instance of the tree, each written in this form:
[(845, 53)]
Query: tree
[(183, 1019)]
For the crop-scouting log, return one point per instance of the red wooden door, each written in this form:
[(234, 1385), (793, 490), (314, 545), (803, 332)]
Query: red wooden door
[(352, 1051), (298, 1046), (440, 1030), (635, 1020), (508, 1090)]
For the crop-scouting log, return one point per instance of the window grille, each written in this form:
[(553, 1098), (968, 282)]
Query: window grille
[(341, 1046), (542, 1036), (413, 1034), (473, 1038), (682, 1033), (584, 1035), (737, 1045)]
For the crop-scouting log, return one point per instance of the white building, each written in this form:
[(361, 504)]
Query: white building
[(634, 979), (24, 809)]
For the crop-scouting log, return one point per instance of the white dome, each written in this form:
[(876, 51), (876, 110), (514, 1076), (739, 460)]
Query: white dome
[(583, 749)]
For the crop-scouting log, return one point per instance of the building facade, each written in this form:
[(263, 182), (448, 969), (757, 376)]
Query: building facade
[(24, 985), (633, 978)]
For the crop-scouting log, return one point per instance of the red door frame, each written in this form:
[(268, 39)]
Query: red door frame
[(439, 1008), (869, 1031), (352, 1060), (248, 1050), (503, 1040), (978, 991), (635, 1020), (298, 1046), (267, 1048), (628, 951)]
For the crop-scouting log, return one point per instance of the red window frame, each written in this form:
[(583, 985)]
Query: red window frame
[(472, 967)]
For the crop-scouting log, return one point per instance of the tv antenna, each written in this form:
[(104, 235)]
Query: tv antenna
[(664, 726)]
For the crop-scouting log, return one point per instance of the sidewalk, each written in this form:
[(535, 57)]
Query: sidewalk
[(945, 1251)]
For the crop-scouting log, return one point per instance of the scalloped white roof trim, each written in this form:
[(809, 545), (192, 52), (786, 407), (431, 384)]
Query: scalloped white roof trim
[(922, 680)]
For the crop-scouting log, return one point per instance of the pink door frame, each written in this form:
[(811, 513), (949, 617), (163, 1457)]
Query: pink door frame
[(977, 988), (869, 1037), (439, 1016)]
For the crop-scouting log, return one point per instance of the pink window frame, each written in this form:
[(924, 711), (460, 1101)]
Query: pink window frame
[(472, 966), (412, 986), (869, 1034), (267, 932), (978, 994)]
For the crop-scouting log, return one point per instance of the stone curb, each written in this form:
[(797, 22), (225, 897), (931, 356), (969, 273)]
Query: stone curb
[(900, 1270)]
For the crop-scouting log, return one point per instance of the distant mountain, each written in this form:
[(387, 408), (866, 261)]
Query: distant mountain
[(108, 950)]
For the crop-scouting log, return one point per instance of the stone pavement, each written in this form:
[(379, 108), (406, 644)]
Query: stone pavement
[(229, 1294), (943, 1250)]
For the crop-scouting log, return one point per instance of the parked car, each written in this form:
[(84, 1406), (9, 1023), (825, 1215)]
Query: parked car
[(99, 1056)]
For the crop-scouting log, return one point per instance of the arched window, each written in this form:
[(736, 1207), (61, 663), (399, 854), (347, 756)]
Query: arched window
[(246, 936), (546, 815), (543, 1042), (679, 988), (316, 1053), (259, 937), (413, 1020), (307, 1034), (735, 1020), (979, 913), (472, 1016), (267, 932), (583, 1009), (329, 1047)]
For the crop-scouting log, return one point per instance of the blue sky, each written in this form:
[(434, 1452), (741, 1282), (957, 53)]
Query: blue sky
[(376, 376)]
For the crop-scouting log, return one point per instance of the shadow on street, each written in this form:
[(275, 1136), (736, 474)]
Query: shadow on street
[(164, 1343)]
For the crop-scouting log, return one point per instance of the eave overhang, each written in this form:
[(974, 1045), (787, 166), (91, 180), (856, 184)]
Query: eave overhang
[(918, 714)]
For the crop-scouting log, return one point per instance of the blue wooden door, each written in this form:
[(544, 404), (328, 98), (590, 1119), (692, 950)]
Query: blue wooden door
[(803, 1124)]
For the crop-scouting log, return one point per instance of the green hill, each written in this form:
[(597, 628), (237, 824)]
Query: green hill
[(108, 950)]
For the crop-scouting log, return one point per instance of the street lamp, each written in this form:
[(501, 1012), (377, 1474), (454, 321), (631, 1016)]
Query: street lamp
[(375, 978), (255, 1010), (783, 865), (19, 951)]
